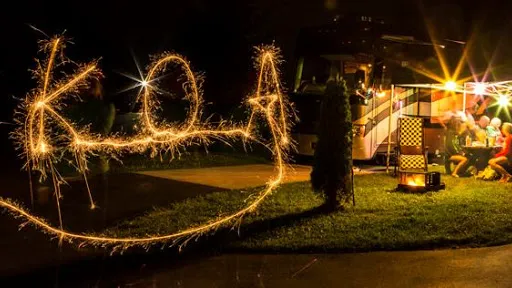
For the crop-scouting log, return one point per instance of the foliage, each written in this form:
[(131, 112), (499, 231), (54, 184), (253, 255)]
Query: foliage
[(333, 153), (469, 213)]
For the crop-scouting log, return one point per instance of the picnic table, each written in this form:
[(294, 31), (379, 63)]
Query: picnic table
[(479, 154)]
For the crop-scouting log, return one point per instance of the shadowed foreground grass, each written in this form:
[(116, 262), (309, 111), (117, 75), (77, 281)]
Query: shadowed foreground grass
[(469, 213), (144, 162), (184, 161)]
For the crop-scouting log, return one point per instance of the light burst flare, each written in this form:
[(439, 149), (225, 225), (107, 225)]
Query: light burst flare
[(450, 85), (479, 89), (504, 101), (44, 135)]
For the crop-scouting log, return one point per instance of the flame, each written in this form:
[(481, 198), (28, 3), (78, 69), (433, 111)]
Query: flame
[(415, 181)]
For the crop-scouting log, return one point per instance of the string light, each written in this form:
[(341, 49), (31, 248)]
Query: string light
[(45, 135)]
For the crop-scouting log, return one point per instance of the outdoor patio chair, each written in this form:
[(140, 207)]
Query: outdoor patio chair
[(411, 150)]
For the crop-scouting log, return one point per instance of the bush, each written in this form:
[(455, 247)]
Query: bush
[(332, 165)]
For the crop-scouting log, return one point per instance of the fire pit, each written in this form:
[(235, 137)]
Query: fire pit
[(420, 181)]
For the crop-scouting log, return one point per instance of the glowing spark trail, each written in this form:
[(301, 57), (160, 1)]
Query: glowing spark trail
[(45, 135)]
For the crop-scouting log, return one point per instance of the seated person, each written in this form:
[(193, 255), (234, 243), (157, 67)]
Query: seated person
[(455, 138), (493, 130), (481, 128), (471, 130), (504, 156)]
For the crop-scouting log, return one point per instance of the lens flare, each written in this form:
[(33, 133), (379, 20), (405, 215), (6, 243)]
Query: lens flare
[(44, 135), (501, 93), (503, 101), (450, 85), (479, 89)]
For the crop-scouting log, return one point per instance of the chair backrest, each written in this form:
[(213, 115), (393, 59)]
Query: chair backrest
[(410, 136), (411, 145)]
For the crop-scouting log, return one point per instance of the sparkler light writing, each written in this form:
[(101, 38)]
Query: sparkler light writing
[(45, 135)]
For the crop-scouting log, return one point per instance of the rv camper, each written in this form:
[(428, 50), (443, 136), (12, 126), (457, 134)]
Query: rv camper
[(373, 64)]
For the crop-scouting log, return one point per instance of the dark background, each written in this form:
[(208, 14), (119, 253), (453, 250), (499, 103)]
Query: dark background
[(217, 37)]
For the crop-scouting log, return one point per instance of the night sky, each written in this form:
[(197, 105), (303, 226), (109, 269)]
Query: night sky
[(216, 36)]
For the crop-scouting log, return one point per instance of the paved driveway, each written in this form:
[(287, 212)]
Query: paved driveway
[(239, 177), (486, 267), (231, 177)]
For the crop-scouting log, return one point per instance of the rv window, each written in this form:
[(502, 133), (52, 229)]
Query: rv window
[(350, 80), (357, 100), (378, 73), (316, 69), (360, 76), (308, 109), (424, 95), (355, 79)]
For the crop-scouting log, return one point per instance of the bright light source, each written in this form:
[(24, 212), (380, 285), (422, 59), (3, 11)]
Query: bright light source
[(43, 147), (39, 104), (381, 94), (504, 101), (450, 85), (144, 83), (479, 88)]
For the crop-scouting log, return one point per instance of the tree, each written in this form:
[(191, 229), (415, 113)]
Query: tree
[(332, 166)]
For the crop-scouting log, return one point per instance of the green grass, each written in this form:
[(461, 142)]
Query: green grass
[(469, 213), (144, 162), (188, 160)]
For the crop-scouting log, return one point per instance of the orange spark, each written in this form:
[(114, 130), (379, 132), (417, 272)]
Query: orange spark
[(41, 111)]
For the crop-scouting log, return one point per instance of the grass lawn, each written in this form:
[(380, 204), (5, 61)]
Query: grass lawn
[(143, 162), (469, 213), (186, 160)]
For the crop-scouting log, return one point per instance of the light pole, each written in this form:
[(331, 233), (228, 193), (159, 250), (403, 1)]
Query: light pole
[(391, 97), (464, 99)]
